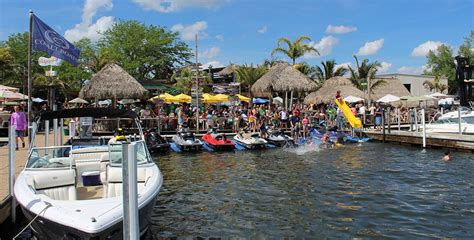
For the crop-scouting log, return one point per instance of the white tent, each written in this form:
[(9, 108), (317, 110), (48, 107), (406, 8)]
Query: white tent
[(353, 99), (388, 98), (38, 100), (278, 100)]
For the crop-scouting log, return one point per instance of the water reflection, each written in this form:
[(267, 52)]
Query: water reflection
[(368, 190)]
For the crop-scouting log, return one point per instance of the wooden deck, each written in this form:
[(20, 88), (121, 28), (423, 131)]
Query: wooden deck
[(436, 140)]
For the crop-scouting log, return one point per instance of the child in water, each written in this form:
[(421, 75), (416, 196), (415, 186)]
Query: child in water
[(447, 156)]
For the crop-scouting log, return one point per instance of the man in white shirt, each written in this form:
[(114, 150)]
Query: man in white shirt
[(362, 110)]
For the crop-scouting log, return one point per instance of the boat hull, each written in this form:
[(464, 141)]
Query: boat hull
[(190, 147), (47, 229), (159, 148), (221, 147), (251, 145)]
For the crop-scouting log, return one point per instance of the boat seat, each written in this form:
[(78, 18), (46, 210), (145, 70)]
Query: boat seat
[(113, 185), (56, 184), (87, 159)]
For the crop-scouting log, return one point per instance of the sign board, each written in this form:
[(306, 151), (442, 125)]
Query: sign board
[(52, 61), (85, 121), (50, 73)]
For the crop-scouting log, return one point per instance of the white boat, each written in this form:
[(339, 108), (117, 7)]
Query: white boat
[(279, 138), (75, 191), (250, 140), (186, 141), (449, 123)]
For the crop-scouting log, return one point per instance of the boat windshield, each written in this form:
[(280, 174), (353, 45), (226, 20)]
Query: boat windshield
[(50, 157), (116, 151), (469, 119)]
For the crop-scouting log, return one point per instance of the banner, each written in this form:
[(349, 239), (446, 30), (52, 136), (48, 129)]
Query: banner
[(52, 61), (47, 40)]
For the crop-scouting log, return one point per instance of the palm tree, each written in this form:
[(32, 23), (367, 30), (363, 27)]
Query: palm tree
[(363, 75), (306, 69), (185, 79), (248, 75), (435, 85), (294, 49), (328, 71)]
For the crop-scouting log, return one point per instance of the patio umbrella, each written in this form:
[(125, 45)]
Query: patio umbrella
[(353, 99), (9, 95), (243, 98), (183, 98), (437, 95), (278, 100), (260, 101), (78, 101), (38, 100), (388, 98)]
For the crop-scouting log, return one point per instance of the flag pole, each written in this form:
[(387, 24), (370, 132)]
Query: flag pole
[(29, 78)]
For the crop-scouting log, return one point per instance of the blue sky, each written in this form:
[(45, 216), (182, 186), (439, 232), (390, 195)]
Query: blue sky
[(397, 33)]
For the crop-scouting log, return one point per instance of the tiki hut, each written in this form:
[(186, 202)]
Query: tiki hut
[(229, 70), (112, 82), (282, 78), (391, 86), (327, 92)]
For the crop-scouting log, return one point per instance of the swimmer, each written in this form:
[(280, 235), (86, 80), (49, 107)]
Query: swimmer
[(447, 156)]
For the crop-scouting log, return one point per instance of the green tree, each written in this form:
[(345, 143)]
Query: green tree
[(441, 63), (365, 72), (294, 50), (329, 70), (146, 52), (185, 79), (6, 64), (435, 85), (247, 75), (467, 49)]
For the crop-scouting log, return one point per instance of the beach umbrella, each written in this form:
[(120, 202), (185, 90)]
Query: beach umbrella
[(437, 95), (126, 101), (353, 99), (11, 89), (9, 95), (278, 100), (183, 98), (78, 101), (259, 101), (38, 100), (243, 98), (388, 98)]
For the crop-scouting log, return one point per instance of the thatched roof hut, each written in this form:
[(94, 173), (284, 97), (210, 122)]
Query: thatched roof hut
[(282, 78), (391, 86), (112, 82), (327, 92), (229, 70)]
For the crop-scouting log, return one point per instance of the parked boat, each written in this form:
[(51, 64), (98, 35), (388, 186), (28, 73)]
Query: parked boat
[(75, 191), (186, 141), (278, 138), (218, 141), (155, 142), (449, 123), (250, 140)]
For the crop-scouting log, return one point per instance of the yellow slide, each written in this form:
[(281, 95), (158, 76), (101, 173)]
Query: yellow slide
[(353, 120)]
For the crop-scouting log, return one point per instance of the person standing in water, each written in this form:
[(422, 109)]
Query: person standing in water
[(447, 156)]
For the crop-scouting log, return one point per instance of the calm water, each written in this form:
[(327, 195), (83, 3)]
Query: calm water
[(361, 190)]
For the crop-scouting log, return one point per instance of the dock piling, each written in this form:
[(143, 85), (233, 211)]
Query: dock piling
[(72, 129), (398, 118), (459, 120), (424, 127), (55, 128), (416, 119), (131, 228), (46, 135), (61, 131), (11, 169)]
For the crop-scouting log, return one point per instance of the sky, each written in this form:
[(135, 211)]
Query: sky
[(397, 33)]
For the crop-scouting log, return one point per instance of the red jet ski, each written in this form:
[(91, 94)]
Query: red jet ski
[(218, 141)]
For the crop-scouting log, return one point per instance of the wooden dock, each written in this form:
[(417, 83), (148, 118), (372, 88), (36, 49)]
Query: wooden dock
[(434, 140)]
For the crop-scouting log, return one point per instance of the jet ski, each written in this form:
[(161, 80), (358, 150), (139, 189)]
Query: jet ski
[(218, 141), (279, 138), (186, 141), (155, 142), (250, 140)]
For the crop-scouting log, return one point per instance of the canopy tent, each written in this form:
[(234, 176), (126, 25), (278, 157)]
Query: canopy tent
[(353, 99), (243, 98), (278, 100), (416, 98), (259, 101), (388, 99), (78, 101)]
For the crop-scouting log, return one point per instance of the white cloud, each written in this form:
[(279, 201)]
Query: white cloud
[(423, 49), (87, 28), (370, 48), (210, 53), (188, 32), (340, 29), (413, 70), (324, 47), (220, 37), (384, 68), (262, 30), (345, 65), (214, 63), (167, 6)]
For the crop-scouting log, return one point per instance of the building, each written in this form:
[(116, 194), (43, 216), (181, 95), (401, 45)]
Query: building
[(413, 83)]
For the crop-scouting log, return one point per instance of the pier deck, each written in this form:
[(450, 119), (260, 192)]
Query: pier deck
[(436, 140)]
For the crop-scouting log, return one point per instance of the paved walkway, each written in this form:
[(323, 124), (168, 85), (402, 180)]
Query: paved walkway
[(20, 161)]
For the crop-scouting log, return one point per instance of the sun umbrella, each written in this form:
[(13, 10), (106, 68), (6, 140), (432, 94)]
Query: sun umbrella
[(78, 101), (38, 100), (437, 95), (278, 100), (182, 98), (388, 98), (243, 98), (259, 101), (9, 95), (353, 99)]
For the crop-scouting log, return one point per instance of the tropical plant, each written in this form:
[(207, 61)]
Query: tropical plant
[(306, 69), (328, 71), (435, 85), (296, 49), (248, 75), (185, 79), (365, 73)]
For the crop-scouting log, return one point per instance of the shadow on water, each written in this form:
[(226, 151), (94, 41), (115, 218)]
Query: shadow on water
[(360, 190)]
